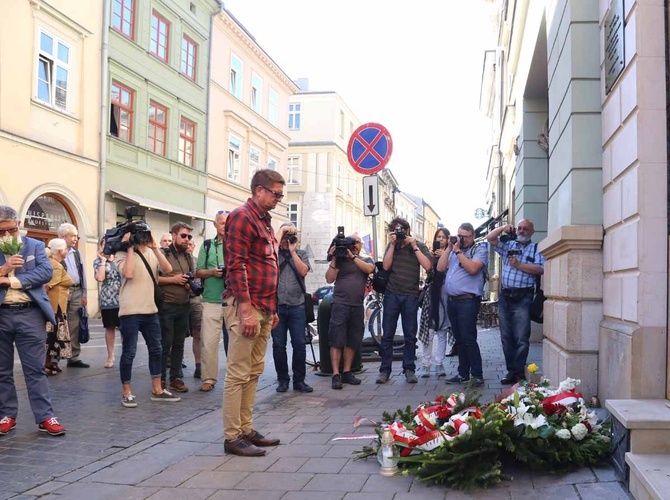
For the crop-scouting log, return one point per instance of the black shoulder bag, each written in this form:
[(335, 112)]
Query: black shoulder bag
[(158, 291), (309, 301), (537, 306)]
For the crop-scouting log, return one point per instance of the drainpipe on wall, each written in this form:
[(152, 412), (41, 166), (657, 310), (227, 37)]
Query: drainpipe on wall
[(103, 115), (501, 83)]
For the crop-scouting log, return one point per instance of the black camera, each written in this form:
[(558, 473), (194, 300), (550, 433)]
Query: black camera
[(291, 238), (140, 232), (342, 244), (223, 269), (400, 233), (454, 239), (505, 237), (196, 288), (514, 253)]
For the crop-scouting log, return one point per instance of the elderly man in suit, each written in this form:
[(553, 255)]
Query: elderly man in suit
[(24, 311)]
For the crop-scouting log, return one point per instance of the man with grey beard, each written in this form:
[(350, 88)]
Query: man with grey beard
[(522, 263)]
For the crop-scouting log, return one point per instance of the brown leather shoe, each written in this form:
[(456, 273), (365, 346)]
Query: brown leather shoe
[(178, 385), (259, 439), (242, 447)]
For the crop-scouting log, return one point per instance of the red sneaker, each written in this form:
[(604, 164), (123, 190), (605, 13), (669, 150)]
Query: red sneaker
[(52, 426), (6, 425)]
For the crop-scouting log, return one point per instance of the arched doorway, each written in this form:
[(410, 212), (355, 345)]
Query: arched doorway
[(45, 214)]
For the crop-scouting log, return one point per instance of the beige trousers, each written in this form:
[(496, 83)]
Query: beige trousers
[(210, 335), (244, 364)]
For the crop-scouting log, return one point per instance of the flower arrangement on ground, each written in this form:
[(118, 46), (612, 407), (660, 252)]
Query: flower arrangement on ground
[(455, 441)]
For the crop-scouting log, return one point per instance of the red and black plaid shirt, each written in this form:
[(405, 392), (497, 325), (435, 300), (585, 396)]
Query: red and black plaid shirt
[(251, 258)]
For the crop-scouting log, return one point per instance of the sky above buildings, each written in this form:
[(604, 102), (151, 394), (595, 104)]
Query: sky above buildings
[(415, 67)]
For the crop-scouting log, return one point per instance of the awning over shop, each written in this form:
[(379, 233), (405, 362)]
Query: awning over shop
[(484, 228), (157, 205)]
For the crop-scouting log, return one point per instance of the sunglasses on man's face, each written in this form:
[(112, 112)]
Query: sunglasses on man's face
[(184, 236), (11, 230)]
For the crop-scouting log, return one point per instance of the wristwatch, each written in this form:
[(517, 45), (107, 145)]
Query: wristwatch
[(458, 252)]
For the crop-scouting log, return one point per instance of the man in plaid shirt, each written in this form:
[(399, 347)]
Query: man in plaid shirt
[(249, 308), (522, 263)]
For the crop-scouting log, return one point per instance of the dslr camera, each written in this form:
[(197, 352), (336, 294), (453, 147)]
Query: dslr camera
[(290, 237), (341, 243), (140, 232), (514, 253), (400, 233), (505, 237), (196, 288), (454, 239)]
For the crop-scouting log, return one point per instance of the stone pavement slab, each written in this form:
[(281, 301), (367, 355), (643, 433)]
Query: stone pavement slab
[(176, 451)]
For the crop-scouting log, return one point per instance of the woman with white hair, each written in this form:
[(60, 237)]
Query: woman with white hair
[(58, 338)]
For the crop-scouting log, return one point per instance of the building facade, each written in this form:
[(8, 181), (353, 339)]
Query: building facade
[(50, 104), (324, 191), (249, 117), (580, 147), (156, 83)]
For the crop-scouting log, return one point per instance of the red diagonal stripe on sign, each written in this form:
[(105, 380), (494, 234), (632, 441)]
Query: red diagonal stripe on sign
[(369, 148)]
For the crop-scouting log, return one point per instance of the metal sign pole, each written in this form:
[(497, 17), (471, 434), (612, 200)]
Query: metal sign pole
[(375, 246)]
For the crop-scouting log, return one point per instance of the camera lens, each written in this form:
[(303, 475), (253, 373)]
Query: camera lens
[(453, 239)]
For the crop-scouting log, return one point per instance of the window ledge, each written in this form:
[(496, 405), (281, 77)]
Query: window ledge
[(64, 114)]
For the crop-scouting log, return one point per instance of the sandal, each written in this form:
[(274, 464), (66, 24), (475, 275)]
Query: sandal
[(56, 368), (206, 387), (50, 372)]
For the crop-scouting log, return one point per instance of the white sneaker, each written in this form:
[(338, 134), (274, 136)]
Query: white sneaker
[(439, 371), (424, 372)]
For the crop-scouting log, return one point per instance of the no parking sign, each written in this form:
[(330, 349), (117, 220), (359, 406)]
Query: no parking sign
[(370, 148)]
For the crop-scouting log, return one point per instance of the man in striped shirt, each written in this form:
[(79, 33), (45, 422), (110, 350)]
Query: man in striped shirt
[(522, 264)]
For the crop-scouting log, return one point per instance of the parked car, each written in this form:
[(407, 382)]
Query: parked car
[(321, 292)]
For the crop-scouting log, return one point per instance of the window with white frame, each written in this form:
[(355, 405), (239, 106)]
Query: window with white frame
[(254, 161), (293, 170), (256, 93), (338, 175), (273, 107), (294, 116), (53, 71), (272, 163), (293, 214), (236, 68), (234, 158)]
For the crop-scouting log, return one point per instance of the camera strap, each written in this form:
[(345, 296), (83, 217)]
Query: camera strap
[(146, 264), (189, 261), (289, 261)]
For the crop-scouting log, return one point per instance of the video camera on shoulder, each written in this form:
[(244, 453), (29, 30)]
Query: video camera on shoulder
[(140, 232), (341, 243)]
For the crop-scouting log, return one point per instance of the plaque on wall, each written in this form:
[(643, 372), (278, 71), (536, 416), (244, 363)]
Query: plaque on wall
[(614, 43)]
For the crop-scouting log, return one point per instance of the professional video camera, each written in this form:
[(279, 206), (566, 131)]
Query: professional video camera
[(341, 243), (505, 237), (196, 288), (139, 230)]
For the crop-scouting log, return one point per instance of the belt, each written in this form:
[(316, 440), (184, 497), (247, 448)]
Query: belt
[(513, 290), (463, 296), (18, 306), (76, 286)]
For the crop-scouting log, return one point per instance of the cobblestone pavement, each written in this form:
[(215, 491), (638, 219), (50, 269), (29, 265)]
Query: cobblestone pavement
[(162, 450)]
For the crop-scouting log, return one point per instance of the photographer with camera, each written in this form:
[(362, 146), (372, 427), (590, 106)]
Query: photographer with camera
[(137, 306), (465, 262), (211, 269), (522, 263), (404, 257), (350, 273), (177, 286), (293, 267)]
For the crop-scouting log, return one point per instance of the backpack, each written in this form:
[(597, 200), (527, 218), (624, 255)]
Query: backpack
[(380, 278), (537, 306)]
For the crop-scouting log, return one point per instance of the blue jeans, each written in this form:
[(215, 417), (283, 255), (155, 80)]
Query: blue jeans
[(291, 318), (150, 327), (463, 318), (24, 329), (514, 319), (406, 306)]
